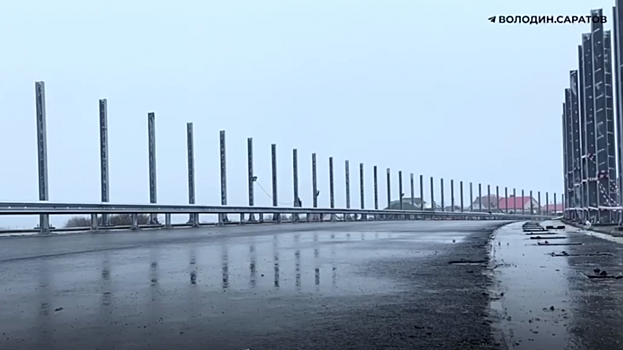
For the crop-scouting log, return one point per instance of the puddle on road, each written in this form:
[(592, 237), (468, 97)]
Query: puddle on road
[(534, 303)]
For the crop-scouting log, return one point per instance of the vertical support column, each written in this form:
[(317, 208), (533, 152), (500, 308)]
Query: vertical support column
[(523, 203), (42, 154), (389, 191), (461, 191), (443, 204), (151, 129), (452, 195), (618, 30), (400, 194), (497, 198), (223, 217), (612, 190), (531, 204), (488, 197), (506, 199), (471, 197), (347, 179), (250, 176), (295, 184), (273, 152), (555, 204), (331, 194), (538, 200), (315, 192), (422, 192), (104, 178), (376, 188), (588, 106), (193, 218), (432, 194), (480, 197), (412, 190), (362, 192), (514, 201), (546, 203), (583, 135)]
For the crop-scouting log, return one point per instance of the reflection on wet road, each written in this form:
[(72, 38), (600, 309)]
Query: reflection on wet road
[(206, 288)]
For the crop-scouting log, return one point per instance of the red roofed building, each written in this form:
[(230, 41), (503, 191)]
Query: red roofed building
[(516, 204)]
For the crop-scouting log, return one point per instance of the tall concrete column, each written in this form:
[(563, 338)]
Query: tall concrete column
[(273, 149), (104, 173), (193, 218), (42, 154), (223, 217), (151, 129), (295, 183), (250, 177)]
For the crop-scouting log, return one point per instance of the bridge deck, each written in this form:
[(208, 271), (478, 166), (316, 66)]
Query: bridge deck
[(340, 285)]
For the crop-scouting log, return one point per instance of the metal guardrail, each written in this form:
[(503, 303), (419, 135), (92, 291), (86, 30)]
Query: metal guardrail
[(95, 209)]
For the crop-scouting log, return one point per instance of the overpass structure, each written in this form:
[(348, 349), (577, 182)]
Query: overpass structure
[(479, 209), (593, 126)]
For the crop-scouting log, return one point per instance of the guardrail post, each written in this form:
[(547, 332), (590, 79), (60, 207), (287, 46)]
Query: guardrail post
[(295, 184), (151, 129), (331, 194), (523, 205), (547, 203), (538, 200), (422, 193), (134, 221), (193, 218), (461, 191), (42, 154), (364, 217), (443, 203), (471, 197), (347, 179), (452, 195), (104, 182), (222, 217), (432, 194), (273, 151), (94, 223), (250, 177), (167, 220)]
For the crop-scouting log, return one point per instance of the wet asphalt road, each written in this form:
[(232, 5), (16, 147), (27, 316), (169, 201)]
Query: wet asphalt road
[(549, 302), (307, 286)]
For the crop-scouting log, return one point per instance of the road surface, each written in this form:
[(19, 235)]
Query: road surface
[(360, 285)]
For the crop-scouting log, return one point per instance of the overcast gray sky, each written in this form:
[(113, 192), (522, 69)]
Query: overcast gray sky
[(409, 85)]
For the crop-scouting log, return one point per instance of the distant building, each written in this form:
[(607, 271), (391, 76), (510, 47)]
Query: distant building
[(517, 204), (485, 201), (416, 204)]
